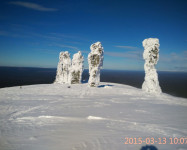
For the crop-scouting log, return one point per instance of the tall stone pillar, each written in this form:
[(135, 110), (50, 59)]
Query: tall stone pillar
[(63, 68), (76, 68), (151, 57), (95, 61)]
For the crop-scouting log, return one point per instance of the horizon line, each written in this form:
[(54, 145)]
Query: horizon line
[(88, 69)]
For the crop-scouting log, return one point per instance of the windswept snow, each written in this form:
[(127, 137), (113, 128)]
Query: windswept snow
[(53, 116)]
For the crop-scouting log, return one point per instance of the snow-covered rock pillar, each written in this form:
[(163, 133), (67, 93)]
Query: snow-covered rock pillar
[(151, 56), (95, 61), (76, 68), (59, 69), (63, 68)]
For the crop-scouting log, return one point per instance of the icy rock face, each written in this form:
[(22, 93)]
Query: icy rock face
[(76, 68), (95, 61), (151, 56), (63, 68)]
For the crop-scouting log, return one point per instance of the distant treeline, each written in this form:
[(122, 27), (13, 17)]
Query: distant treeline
[(173, 83)]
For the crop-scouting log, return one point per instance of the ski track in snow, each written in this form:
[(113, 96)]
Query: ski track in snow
[(52, 116)]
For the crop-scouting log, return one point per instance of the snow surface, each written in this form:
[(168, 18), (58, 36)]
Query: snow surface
[(54, 117)]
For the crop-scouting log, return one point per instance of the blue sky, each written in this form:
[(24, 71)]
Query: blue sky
[(33, 32)]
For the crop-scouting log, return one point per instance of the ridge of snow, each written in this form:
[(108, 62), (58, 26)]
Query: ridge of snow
[(95, 118)]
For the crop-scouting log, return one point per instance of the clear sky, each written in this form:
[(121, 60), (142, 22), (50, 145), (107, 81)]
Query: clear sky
[(33, 32)]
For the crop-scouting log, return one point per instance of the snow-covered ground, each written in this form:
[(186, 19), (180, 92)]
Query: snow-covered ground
[(55, 117)]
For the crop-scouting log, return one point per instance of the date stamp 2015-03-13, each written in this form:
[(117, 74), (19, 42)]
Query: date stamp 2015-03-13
[(152, 140)]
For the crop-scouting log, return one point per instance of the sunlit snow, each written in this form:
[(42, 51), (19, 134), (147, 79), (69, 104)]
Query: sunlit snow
[(54, 117)]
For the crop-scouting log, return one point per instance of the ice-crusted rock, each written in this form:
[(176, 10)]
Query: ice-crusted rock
[(76, 68), (59, 69), (63, 68), (95, 61), (151, 56)]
